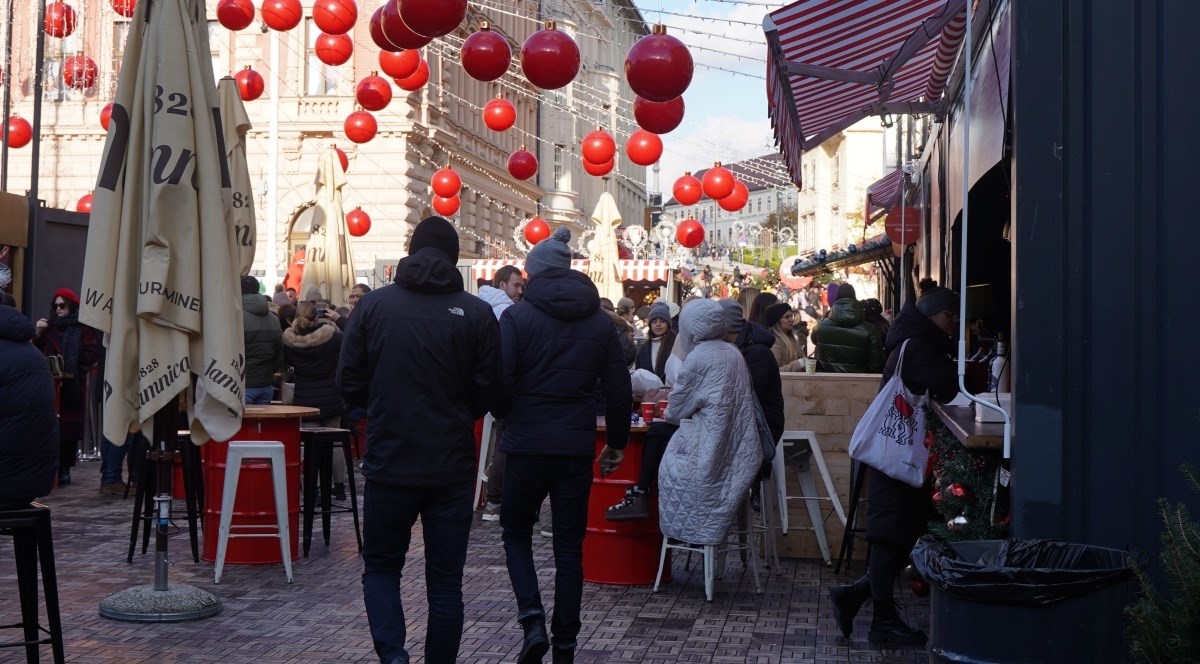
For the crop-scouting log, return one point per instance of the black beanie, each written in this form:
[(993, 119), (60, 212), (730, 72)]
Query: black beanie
[(435, 233), (774, 312), (936, 300), (846, 291)]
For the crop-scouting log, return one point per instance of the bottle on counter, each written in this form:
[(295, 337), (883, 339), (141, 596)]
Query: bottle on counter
[(998, 376)]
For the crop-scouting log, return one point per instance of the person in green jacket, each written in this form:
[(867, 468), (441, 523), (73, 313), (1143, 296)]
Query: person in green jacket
[(845, 343), (264, 343)]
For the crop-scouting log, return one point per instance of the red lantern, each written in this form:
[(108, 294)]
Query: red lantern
[(334, 50), (718, 182), (499, 114), (536, 230), (658, 117), (79, 72), (106, 115), (687, 189), (446, 182), (737, 199), (60, 19), (522, 165), (433, 18), (19, 132), (124, 7), (342, 158), (485, 54), (334, 17), (360, 126), (396, 31), (250, 84), (281, 15), (550, 58), (644, 148), (599, 170), (400, 64), (235, 14), (374, 92), (598, 147), (690, 233), (358, 222), (446, 206), (658, 66), (417, 80), (85, 204)]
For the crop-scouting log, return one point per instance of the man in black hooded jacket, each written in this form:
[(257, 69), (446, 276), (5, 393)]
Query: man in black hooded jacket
[(28, 422)]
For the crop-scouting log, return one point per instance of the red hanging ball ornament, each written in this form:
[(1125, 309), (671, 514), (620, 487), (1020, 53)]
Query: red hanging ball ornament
[(736, 199), (334, 50), (124, 7), (61, 19), (417, 80), (658, 66), (446, 206), (250, 84), (400, 64), (936, 497), (358, 222), (536, 230), (920, 588), (687, 190), (79, 72), (643, 147), (396, 31), (374, 92), (958, 490), (281, 15), (342, 158), (499, 114), (106, 115), (658, 117), (485, 54), (718, 182), (235, 14), (598, 147), (84, 204), (360, 126), (19, 132), (433, 18), (550, 58), (446, 182), (690, 233), (599, 170), (375, 27), (522, 165), (335, 17), (930, 439)]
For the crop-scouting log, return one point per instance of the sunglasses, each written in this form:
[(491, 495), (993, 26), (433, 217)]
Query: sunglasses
[(61, 305)]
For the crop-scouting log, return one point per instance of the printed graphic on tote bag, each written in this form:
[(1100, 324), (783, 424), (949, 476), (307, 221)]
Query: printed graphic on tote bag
[(899, 422)]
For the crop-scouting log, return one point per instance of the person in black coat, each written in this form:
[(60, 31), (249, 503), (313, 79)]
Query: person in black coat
[(898, 514), (29, 443), (755, 342), (311, 347)]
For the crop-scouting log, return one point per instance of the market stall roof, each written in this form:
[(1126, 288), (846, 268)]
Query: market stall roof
[(631, 269), (883, 195), (873, 249), (835, 62)]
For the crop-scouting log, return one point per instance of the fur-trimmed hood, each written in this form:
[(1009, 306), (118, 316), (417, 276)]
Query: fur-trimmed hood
[(319, 335)]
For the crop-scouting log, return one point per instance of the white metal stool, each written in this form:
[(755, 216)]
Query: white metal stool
[(714, 554), (797, 449), (239, 451)]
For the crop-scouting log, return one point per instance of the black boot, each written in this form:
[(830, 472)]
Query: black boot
[(888, 629), (535, 644), (847, 600), (635, 506), (563, 655)]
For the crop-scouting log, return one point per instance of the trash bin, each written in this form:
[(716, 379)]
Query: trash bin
[(1024, 600)]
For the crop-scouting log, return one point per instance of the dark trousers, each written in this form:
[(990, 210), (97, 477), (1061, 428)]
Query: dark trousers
[(389, 513), (653, 449), (897, 514), (568, 482)]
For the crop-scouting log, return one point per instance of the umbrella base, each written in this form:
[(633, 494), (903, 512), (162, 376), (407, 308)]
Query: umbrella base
[(145, 604)]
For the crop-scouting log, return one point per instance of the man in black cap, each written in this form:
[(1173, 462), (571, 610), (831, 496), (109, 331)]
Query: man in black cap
[(423, 357)]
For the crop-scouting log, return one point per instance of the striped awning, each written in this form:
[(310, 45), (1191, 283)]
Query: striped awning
[(883, 195), (631, 270), (835, 62)]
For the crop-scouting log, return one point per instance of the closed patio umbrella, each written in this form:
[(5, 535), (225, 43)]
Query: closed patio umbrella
[(604, 266), (235, 122), (328, 263)]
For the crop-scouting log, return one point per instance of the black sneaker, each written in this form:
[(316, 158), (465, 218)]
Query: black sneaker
[(339, 491), (635, 506)]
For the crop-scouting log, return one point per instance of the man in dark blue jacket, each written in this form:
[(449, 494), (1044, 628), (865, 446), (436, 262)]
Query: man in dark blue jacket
[(423, 357), (556, 343), (28, 422)]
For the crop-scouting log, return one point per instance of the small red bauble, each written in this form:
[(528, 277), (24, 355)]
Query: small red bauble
[(446, 182), (124, 7), (687, 190), (281, 15), (718, 182), (360, 126), (936, 497), (658, 117), (433, 18), (79, 72), (106, 115), (930, 439), (334, 17), (522, 165), (690, 233), (598, 147), (599, 170), (400, 64), (342, 158), (736, 199), (957, 490), (643, 147), (419, 78), (536, 230), (396, 31), (250, 84), (334, 50), (19, 132), (446, 206), (358, 222), (499, 114), (60, 19), (235, 14), (550, 58), (920, 588), (373, 93), (84, 204), (658, 66), (485, 54)]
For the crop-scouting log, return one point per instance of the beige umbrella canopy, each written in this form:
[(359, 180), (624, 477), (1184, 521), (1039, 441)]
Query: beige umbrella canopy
[(235, 122), (604, 267), (328, 264)]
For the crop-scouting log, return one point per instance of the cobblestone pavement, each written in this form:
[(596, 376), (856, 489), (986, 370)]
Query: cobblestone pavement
[(320, 618)]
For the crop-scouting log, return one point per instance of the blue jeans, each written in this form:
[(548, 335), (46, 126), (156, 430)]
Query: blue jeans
[(568, 482), (389, 513), (260, 395)]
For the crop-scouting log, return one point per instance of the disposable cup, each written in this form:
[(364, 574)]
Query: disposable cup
[(648, 412), (810, 365)]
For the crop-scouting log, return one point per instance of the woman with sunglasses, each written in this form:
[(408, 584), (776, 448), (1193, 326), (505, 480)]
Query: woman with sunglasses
[(79, 346)]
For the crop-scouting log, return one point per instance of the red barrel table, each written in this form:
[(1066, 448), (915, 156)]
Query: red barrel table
[(255, 502), (621, 552)]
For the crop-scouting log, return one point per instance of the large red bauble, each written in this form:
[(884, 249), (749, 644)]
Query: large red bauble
[(550, 58), (690, 233), (79, 72), (124, 7), (342, 158), (522, 165), (84, 204), (485, 55), (599, 169), (419, 78), (373, 93), (433, 18), (536, 230), (334, 17), (400, 64), (598, 147), (396, 31), (60, 19), (360, 126), (281, 15), (658, 66), (334, 50), (250, 84), (235, 14), (687, 190), (446, 182), (644, 148), (718, 182), (658, 117), (446, 206), (19, 132), (106, 115), (375, 27), (358, 222), (499, 114), (737, 199)]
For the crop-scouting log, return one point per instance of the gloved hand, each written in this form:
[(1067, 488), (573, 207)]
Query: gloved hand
[(609, 459)]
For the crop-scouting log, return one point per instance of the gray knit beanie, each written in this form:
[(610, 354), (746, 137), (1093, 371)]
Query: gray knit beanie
[(733, 316), (659, 310), (551, 252)]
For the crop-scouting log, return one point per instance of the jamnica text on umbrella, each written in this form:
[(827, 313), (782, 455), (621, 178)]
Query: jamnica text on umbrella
[(234, 385), (171, 375), (174, 297)]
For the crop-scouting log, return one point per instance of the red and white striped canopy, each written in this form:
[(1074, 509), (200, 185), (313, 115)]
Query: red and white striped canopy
[(883, 195), (631, 270)]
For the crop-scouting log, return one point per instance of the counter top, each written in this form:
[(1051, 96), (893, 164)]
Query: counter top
[(974, 435), (278, 411), (600, 426)]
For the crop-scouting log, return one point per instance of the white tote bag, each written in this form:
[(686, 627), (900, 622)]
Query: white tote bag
[(890, 437)]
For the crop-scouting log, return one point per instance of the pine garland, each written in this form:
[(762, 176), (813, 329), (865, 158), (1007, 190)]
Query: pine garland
[(964, 488)]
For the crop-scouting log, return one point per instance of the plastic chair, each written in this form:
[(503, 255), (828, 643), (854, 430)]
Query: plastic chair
[(797, 449), (240, 451), (33, 544)]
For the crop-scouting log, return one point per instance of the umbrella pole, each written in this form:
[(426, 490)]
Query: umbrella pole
[(163, 456)]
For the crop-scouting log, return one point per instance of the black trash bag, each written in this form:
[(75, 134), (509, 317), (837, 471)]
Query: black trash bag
[(1019, 572)]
